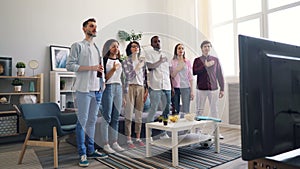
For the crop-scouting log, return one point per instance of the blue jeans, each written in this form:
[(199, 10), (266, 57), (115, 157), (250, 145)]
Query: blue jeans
[(157, 96), (186, 98), (111, 106), (147, 104), (88, 106)]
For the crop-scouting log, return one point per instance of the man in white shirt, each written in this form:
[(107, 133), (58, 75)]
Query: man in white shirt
[(159, 80)]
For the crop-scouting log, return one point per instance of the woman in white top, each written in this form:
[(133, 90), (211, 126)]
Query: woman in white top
[(112, 95)]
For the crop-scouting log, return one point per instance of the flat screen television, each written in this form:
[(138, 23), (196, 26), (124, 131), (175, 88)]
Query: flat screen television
[(269, 97)]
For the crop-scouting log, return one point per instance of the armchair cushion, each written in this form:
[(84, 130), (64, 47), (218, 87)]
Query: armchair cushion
[(44, 116), (68, 128), (68, 118), (43, 126)]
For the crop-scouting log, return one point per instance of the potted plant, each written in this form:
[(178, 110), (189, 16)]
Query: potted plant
[(20, 68), (132, 36), (17, 83), (62, 84)]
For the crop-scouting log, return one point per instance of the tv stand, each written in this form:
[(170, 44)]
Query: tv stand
[(289, 160)]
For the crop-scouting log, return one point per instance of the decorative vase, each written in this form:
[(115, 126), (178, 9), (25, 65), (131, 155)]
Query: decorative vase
[(31, 87), (20, 71), (18, 88)]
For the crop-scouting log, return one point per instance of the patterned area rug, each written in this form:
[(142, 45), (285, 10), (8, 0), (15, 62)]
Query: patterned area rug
[(30, 160), (189, 157)]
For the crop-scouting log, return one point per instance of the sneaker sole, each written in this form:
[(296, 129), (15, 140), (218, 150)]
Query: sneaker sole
[(83, 165), (120, 150), (97, 157), (131, 148), (107, 152)]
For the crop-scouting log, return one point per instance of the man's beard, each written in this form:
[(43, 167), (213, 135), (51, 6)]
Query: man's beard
[(156, 48), (89, 33)]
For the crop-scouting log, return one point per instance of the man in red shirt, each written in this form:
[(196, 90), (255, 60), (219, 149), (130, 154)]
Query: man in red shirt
[(209, 79)]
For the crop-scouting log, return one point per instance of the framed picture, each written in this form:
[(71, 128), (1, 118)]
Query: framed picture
[(59, 56)]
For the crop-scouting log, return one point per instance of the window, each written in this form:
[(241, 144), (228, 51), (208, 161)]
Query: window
[(221, 11), (284, 26), (277, 21), (249, 28), (223, 46), (247, 7), (277, 3)]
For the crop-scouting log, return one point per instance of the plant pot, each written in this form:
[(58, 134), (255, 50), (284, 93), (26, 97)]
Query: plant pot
[(18, 88), (20, 71)]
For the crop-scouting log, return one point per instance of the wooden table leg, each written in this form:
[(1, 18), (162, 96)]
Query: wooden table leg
[(148, 140), (175, 157), (217, 141)]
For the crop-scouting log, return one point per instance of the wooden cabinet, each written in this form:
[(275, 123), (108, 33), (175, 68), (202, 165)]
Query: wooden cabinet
[(62, 95), (32, 92)]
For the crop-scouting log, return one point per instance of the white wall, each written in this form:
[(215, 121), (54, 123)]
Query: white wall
[(29, 27)]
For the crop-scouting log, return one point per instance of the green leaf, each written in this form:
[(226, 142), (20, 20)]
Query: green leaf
[(123, 35)]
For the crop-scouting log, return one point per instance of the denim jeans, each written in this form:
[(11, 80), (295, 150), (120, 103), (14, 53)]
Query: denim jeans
[(157, 96), (111, 106), (186, 98), (88, 106), (147, 104)]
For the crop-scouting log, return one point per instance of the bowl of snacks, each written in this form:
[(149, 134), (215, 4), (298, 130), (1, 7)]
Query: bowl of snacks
[(190, 116), (174, 118)]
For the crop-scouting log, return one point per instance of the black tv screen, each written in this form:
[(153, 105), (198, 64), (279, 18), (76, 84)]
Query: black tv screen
[(269, 97)]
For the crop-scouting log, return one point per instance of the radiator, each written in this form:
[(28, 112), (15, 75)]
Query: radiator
[(234, 103)]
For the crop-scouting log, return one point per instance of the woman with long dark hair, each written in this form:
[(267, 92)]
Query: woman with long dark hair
[(181, 79), (112, 95)]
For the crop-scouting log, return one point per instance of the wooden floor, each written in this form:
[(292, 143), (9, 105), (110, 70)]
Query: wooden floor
[(68, 157)]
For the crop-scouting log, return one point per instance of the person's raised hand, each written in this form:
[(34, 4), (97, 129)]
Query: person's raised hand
[(116, 66), (163, 59), (180, 66), (141, 63), (209, 64), (100, 68)]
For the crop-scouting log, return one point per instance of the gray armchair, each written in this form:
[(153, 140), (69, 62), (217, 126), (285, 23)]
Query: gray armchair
[(45, 120)]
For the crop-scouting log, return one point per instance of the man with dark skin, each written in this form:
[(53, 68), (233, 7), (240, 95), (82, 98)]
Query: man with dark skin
[(159, 80)]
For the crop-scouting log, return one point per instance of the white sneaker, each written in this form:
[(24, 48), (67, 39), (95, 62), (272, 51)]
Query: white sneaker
[(164, 136), (83, 161), (108, 150), (116, 147)]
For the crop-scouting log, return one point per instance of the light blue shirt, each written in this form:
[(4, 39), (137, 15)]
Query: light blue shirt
[(81, 55)]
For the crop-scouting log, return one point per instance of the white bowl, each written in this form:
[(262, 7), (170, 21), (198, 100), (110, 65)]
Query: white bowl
[(190, 116)]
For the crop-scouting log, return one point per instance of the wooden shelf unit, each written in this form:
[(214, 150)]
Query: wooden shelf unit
[(57, 93), (13, 98)]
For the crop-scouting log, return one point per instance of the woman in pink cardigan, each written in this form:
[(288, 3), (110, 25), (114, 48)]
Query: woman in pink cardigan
[(182, 80)]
